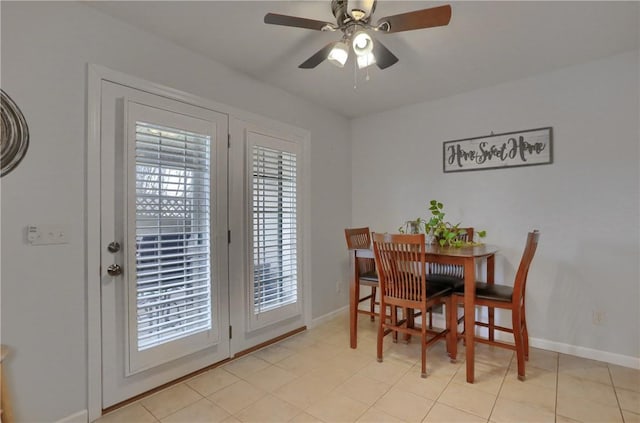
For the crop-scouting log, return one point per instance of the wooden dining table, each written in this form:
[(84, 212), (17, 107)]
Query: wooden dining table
[(465, 256)]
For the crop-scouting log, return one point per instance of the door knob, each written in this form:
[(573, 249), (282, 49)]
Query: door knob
[(114, 270), (113, 247)]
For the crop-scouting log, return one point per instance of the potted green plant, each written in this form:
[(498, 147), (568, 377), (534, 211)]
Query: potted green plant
[(445, 232), (437, 227), (413, 226)]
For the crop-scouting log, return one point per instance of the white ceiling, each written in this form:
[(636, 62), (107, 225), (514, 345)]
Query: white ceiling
[(485, 43)]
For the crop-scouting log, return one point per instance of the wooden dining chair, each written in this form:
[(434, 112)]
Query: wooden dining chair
[(450, 274), (401, 264), (360, 238), (509, 298)]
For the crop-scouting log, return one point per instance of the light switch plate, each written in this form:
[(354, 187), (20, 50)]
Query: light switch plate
[(48, 234)]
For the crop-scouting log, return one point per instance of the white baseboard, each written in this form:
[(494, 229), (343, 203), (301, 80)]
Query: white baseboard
[(606, 356), (325, 318), (79, 417), (578, 351)]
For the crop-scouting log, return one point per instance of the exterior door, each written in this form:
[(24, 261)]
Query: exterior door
[(267, 289), (164, 248)]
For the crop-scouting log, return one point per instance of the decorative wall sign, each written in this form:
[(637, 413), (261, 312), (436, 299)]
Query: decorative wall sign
[(521, 148), (14, 135)]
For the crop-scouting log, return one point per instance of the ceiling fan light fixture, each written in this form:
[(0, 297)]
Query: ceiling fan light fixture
[(362, 43), (339, 54), (366, 60)]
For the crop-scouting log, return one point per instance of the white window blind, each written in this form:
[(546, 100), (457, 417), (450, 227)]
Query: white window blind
[(274, 208), (172, 234)]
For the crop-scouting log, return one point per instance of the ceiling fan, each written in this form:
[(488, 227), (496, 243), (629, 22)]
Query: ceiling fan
[(354, 19)]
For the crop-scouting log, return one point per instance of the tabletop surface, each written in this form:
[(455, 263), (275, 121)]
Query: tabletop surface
[(480, 250), (472, 250)]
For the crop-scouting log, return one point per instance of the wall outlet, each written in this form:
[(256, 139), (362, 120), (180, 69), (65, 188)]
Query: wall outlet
[(598, 317)]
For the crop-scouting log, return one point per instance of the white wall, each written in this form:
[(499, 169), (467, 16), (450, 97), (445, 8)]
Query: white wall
[(45, 50), (586, 203)]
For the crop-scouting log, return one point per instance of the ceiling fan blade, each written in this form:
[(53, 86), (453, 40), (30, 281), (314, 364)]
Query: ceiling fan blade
[(275, 19), (384, 57), (319, 57), (418, 19)]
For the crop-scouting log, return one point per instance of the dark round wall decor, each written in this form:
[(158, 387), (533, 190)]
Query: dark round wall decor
[(14, 134)]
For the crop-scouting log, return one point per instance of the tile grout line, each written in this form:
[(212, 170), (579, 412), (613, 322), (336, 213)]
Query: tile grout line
[(435, 401), (500, 390), (182, 408), (303, 410), (390, 388), (615, 392), (385, 393), (370, 406), (148, 411)]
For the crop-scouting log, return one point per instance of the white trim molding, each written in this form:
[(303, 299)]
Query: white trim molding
[(584, 352), (79, 417), (576, 350), (327, 317)]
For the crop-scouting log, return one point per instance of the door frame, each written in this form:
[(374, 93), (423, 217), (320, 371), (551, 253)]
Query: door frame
[(95, 75)]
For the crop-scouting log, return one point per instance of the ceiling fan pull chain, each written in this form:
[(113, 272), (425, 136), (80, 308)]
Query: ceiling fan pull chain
[(355, 75)]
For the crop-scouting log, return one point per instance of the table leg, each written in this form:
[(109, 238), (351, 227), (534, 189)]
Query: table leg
[(469, 314), (354, 294), (491, 280), (452, 325)]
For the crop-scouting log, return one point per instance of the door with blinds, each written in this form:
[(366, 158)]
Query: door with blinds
[(165, 299), (269, 282)]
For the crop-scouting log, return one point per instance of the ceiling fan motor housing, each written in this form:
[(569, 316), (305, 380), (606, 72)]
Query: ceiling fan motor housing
[(356, 10)]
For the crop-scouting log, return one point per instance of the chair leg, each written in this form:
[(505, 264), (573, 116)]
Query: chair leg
[(431, 318), (423, 345), (516, 321), (394, 322), (452, 325), (525, 334), (381, 322), (457, 304), (373, 303), (492, 324), (410, 322)]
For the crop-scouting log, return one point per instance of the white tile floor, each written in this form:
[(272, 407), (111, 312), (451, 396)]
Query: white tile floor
[(316, 377)]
